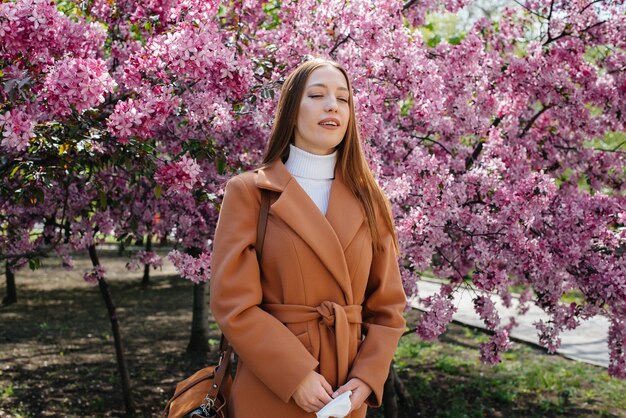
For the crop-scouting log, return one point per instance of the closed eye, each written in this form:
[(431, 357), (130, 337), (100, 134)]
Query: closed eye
[(343, 99)]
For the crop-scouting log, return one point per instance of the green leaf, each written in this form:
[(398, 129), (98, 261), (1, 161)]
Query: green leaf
[(34, 263), (434, 41), (455, 40), (102, 200), (157, 191), (221, 166), (17, 167)]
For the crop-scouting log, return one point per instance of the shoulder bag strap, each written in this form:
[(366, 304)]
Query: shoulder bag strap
[(225, 347)]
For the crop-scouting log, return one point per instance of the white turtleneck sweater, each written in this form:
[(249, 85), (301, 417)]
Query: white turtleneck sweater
[(314, 173)]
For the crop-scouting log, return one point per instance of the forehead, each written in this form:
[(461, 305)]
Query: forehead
[(327, 76)]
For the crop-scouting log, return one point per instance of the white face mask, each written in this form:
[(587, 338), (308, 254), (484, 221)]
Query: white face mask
[(338, 407)]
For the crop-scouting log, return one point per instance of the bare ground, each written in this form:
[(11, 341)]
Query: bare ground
[(56, 350), (57, 356)]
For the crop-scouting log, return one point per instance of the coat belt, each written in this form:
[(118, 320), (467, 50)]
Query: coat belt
[(332, 315)]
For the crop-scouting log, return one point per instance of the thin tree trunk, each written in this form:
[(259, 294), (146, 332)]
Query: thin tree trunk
[(403, 394), (390, 400), (11, 296), (199, 339), (117, 337), (394, 391), (146, 267)]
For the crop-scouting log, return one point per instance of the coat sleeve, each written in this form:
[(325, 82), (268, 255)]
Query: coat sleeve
[(266, 346), (383, 320)]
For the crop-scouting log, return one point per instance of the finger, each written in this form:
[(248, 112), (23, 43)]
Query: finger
[(357, 399), (318, 404), (351, 385), (325, 398), (327, 387), (341, 390)]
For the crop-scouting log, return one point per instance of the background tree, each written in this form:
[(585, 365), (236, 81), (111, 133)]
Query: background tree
[(501, 145)]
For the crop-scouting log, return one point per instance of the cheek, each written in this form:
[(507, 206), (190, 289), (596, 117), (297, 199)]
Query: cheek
[(304, 112), (346, 115)]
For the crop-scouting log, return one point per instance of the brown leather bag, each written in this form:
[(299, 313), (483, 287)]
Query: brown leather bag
[(205, 393)]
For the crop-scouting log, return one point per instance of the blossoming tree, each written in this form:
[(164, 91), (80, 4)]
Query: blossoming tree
[(501, 147)]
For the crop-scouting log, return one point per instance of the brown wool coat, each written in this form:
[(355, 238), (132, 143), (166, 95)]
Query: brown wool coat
[(320, 300)]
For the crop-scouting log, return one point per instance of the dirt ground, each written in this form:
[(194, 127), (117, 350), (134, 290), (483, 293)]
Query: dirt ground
[(57, 357), (56, 349)]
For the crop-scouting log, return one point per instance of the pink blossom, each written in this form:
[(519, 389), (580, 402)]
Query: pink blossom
[(196, 269), (179, 176), (150, 258), (77, 83), (93, 276), (17, 129), (498, 343), (434, 321), (485, 307)]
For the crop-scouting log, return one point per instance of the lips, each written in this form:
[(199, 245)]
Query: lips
[(329, 121)]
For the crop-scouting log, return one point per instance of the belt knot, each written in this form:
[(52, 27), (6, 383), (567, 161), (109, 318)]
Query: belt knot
[(327, 311)]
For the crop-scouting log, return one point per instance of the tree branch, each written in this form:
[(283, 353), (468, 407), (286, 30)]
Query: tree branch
[(449, 262), (589, 5), (529, 9), (479, 147), (428, 138), (408, 4), (532, 120), (338, 43), (550, 17), (568, 33)]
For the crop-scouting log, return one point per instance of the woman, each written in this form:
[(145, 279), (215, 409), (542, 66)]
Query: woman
[(321, 313)]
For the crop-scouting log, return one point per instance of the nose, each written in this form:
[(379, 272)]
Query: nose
[(331, 104)]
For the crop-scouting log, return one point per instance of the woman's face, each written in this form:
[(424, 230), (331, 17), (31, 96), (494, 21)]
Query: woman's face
[(324, 111)]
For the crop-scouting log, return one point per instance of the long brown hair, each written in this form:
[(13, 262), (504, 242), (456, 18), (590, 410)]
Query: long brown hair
[(350, 157)]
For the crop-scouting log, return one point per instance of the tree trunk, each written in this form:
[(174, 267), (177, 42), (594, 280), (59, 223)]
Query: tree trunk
[(117, 337), (11, 296), (199, 339), (403, 394), (390, 400), (146, 267), (395, 391)]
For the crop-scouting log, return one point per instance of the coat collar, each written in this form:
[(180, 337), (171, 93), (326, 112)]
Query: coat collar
[(329, 235)]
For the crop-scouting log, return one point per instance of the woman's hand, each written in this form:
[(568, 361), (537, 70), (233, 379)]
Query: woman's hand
[(313, 393), (360, 392)]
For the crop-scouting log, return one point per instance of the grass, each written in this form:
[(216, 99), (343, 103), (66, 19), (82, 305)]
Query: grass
[(446, 379), (56, 355)]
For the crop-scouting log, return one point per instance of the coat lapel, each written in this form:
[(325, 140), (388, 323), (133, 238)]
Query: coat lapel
[(344, 212), (328, 236)]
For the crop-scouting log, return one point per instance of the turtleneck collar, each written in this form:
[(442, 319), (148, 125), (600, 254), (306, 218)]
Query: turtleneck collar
[(311, 166)]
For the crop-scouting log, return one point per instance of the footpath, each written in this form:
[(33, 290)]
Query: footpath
[(586, 343)]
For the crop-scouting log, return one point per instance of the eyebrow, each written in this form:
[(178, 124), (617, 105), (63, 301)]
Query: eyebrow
[(325, 86)]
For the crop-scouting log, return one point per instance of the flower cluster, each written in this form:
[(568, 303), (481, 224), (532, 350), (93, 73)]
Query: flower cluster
[(76, 84), (434, 321), (17, 129), (144, 258), (485, 307), (93, 276), (498, 343), (179, 176), (196, 269)]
